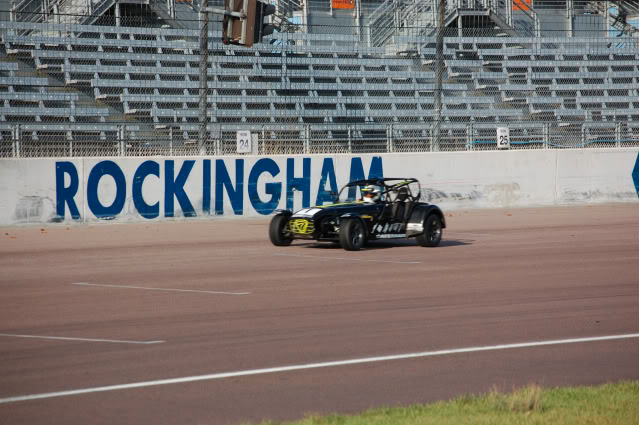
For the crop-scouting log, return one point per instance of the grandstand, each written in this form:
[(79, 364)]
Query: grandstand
[(109, 77)]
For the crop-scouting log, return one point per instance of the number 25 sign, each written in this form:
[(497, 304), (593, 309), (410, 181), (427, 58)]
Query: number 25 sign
[(503, 138)]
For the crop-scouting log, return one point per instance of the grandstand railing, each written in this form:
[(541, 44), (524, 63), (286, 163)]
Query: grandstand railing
[(313, 139)]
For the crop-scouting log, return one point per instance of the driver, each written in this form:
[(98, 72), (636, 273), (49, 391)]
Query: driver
[(371, 194)]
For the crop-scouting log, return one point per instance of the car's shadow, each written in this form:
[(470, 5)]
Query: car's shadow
[(384, 244)]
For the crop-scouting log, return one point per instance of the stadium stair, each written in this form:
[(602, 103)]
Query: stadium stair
[(615, 19), (178, 14)]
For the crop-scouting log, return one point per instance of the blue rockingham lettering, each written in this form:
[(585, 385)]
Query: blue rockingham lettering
[(267, 186)]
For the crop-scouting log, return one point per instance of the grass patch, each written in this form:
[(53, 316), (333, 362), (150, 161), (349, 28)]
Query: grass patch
[(610, 404)]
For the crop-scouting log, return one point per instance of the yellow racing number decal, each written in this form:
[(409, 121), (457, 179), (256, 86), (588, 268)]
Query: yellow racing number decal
[(301, 226)]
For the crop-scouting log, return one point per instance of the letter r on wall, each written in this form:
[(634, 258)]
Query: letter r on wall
[(65, 195)]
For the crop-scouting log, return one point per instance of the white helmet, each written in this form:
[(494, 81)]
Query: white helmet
[(370, 194)]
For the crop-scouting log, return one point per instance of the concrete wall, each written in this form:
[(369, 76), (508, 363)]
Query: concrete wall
[(137, 189)]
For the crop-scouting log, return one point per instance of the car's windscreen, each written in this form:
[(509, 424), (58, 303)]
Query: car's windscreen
[(356, 193)]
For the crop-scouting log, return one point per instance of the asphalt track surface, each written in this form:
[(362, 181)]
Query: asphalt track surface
[(97, 308)]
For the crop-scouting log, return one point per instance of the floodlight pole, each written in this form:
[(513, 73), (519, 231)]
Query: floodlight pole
[(204, 62), (439, 63)]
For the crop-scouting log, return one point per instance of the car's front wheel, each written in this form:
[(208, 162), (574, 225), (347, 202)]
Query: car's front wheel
[(352, 235), (433, 231), (278, 233)]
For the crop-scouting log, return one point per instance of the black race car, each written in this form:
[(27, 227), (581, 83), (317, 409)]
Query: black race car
[(364, 210)]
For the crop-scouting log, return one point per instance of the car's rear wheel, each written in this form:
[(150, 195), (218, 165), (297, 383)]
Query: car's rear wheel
[(352, 235), (433, 231), (278, 233)]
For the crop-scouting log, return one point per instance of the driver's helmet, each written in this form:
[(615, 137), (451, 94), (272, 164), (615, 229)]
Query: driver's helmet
[(370, 194)]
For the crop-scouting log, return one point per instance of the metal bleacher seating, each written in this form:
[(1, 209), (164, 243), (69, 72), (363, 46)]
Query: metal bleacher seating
[(37, 108), (101, 78)]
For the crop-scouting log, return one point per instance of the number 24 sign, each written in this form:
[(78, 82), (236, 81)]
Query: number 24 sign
[(244, 141)]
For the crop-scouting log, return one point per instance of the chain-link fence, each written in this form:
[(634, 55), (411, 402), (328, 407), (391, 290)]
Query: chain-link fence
[(102, 78)]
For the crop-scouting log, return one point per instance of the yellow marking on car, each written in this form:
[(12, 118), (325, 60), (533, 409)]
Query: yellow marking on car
[(301, 226)]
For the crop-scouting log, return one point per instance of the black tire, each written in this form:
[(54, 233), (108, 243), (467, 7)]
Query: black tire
[(277, 231), (433, 231), (352, 235)]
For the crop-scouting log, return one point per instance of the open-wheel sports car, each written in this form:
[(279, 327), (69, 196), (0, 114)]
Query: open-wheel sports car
[(364, 210)]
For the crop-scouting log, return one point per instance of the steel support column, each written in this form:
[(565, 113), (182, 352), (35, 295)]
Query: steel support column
[(204, 61)]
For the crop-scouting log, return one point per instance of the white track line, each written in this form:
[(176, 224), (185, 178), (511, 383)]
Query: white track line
[(348, 259), (160, 289), (64, 338), (213, 376)]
